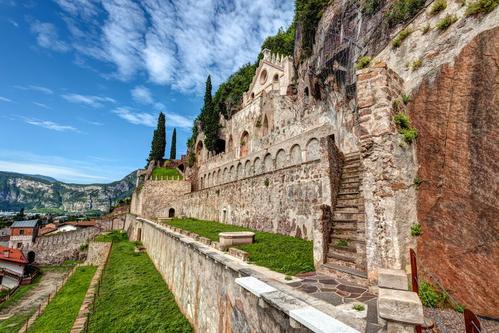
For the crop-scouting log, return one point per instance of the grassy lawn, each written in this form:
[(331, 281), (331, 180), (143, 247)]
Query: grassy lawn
[(284, 254), (166, 172), (133, 296), (60, 314)]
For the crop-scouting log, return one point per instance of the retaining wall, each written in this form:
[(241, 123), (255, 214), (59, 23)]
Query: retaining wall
[(203, 281)]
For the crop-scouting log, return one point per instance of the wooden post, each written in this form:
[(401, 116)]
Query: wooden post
[(414, 280), (471, 322)]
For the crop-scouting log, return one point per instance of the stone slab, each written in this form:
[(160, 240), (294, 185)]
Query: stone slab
[(318, 321), (399, 305), (392, 279), (254, 286), (228, 239)]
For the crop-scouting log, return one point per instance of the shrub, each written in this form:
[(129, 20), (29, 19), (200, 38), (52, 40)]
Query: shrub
[(416, 64), (446, 22), (438, 6), (481, 7), (406, 99), (370, 7), (426, 29), (396, 104), (363, 62), (428, 295), (459, 308), (308, 14), (83, 247), (409, 134), (416, 230), (417, 181), (402, 120), (358, 307), (402, 11), (342, 243), (400, 37)]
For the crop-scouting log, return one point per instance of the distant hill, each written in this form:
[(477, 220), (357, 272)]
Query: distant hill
[(41, 192)]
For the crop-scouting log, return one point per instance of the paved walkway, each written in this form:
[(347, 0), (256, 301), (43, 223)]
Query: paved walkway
[(331, 290), (35, 296)]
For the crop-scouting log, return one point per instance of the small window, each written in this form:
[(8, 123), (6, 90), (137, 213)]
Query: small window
[(19, 245), (252, 95), (21, 232), (306, 91), (263, 77), (276, 77)]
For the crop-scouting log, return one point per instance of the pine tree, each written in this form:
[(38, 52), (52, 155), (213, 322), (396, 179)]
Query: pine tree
[(210, 118), (158, 144), (173, 149)]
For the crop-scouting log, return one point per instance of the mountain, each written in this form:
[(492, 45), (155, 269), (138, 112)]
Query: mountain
[(40, 192)]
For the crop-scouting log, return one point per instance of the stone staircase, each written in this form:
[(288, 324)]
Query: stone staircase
[(346, 256)]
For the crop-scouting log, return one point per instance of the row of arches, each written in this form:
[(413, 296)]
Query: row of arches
[(261, 164)]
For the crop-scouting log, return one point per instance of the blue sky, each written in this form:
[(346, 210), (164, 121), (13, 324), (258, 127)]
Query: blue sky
[(82, 81)]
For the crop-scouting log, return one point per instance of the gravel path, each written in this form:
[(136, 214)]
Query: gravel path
[(450, 321), (50, 281)]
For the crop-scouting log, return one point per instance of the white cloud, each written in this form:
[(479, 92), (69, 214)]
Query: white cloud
[(5, 99), (142, 95), (136, 118), (47, 37), (41, 89), (176, 120), (176, 43), (93, 101), (14, 23), (50, 125), (45, 106)]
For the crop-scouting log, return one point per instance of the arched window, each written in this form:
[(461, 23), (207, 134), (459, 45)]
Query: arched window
[(276, 77), (239, 172), (247, 168), (313, 149), (280, 159), (257, 166), (295, 155), (231, 144), (244, 145), (263, 77), (199, 151), (268, 163), (265, 126)]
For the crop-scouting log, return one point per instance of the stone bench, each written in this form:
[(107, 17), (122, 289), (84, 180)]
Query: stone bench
[(228, 239)]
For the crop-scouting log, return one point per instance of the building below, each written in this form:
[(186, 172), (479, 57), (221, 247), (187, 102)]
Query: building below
[(12, 267), (23, 233)]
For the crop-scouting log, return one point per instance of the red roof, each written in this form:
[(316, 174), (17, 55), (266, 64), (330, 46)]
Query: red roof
[(14, 255)]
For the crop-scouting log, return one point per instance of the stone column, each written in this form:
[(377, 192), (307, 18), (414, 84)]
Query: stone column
[(388, 171)]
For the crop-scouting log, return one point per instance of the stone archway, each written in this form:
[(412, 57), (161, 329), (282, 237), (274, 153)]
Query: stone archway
[(244, 144), (171, 212)]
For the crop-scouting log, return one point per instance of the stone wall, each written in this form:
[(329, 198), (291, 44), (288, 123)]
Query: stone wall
[(389, 169), (457, 114), (55, 249), (154, 198), (203, 281)]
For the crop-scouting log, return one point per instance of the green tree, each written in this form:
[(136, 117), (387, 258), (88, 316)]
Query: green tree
[(158, 144), (173, 149), (209, 118)]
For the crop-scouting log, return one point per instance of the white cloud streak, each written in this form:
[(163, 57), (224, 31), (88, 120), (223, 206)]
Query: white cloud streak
[(89, 100), (41, 89), (50, 125), (142, 95), (45, 106), (176, 43), (5, 99), (136, 118)]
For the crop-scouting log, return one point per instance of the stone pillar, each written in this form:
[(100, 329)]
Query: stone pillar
[(401, 310), (388, 171)]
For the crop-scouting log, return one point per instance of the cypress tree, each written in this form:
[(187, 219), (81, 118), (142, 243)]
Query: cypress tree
[(210, 118), (173, 149), (158, 144)]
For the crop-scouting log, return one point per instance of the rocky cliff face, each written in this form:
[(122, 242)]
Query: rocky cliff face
[(33, 192), (457, 116)]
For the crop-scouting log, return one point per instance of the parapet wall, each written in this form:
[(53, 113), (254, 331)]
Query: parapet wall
[(154, 198), (203, 281)]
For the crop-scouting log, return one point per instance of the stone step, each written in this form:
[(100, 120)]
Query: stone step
[(354, 165), (345, 214), (350, 257), (347, 270), (349, 190), (346, 179), (346, 210), (351, 239), (341, 202), (348, 196), (352, 155), (344, 233)]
